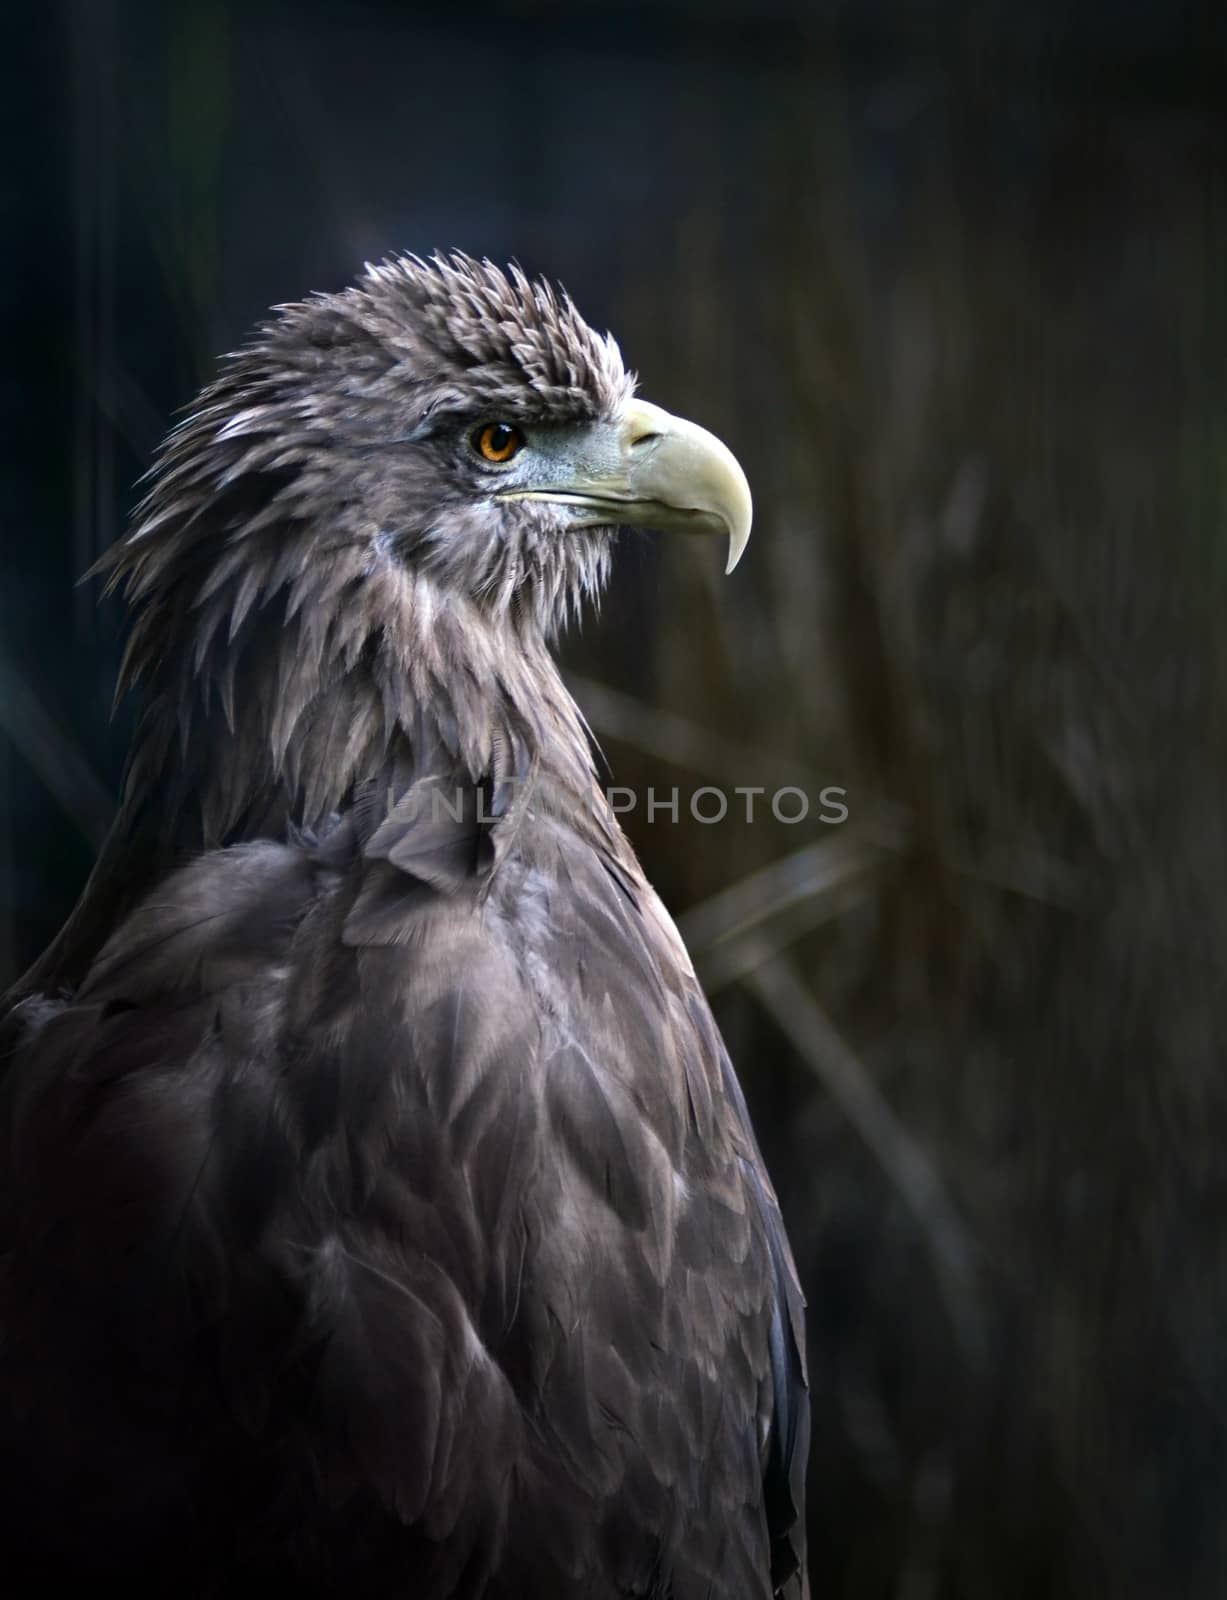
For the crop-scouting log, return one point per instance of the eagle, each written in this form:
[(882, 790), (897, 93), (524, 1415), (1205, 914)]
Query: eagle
[(380, 1214)]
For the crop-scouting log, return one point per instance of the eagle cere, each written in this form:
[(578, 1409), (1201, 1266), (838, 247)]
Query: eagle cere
[(380, 1212)]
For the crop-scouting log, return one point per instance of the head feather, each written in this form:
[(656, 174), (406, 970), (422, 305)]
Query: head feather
[(292, 560)]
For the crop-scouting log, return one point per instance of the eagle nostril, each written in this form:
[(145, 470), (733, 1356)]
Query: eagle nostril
[(643, 438)]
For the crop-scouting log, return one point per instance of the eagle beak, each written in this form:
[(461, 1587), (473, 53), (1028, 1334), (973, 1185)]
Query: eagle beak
[(649, 469), (680, 477)]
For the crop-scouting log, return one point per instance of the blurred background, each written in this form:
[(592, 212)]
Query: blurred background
[(952, 281)]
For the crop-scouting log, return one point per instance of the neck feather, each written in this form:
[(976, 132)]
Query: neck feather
[(279, 700), (269, 706)]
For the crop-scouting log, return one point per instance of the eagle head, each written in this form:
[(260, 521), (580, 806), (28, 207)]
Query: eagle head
[(385, 499), (457, 419)]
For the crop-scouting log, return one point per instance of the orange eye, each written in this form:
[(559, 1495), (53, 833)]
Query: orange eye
[(497, 441)]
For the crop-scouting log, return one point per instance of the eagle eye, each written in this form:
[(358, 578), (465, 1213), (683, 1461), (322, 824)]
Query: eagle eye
[(497, 441)]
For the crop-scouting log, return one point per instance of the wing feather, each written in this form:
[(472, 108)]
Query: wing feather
[(422, 1170)]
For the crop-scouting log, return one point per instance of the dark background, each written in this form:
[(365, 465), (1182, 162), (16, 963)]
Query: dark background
[(952, 281)]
